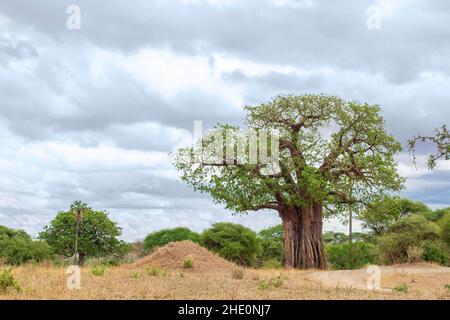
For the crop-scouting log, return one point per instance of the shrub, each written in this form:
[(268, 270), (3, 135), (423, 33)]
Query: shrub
[(263, 284), (435, 252), (188, 263), (401, 288), (99, 270), (233, 242), (153, 271), (17, 247), (272, 243), (406, 232), (437, 215), (8, 282), (166, 236), (444, 223), (350, 255)]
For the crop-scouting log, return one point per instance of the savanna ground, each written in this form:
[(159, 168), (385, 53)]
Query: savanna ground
[(129, 282), (164, 276)]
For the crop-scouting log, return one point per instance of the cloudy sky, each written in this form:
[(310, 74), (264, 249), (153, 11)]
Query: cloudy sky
[(92, 113)]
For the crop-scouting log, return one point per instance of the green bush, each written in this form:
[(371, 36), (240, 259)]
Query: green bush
[(403, 288), (272, 243), (188, 263), (7, 282), (435, 252), (444, 223), (165, 236), (350, 255), (233, 242), (153, 271), (437, 215), (403, 234), (99, 270), (17, 247)]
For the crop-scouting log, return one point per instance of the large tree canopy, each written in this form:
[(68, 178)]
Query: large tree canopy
[(92, 234), (331, 153)]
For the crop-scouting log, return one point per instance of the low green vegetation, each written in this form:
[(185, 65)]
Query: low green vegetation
[(404, 234), (350, 255), (233, 242), (8, 282), (412, 233), (153, 271), (272, 246), (17, 247), (165, 236), (403, 288), (274, 282), (188, 263), (99, 270)]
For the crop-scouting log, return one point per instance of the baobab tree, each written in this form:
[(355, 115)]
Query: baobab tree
[(332, 153)]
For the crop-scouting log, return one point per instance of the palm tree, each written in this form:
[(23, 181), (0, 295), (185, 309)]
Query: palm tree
[(79, 209)]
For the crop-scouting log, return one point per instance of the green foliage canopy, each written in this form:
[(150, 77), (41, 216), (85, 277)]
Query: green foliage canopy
[(233, 242), (162, 237), (407, 232), (17, 247), (353, 164), (98, 234), (272, 241), (380, 215)]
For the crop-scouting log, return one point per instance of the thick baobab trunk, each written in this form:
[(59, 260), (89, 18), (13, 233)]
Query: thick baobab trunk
[(303, 237)]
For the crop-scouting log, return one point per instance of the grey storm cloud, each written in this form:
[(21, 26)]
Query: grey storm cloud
[(93, 114)]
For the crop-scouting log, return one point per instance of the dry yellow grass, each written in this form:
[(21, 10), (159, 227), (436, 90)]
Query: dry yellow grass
[(133, 282), (162, 276)]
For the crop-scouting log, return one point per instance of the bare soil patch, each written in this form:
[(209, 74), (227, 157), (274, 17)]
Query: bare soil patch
[(415, 276)]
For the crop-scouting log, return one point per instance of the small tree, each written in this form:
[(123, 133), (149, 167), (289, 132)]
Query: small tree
[(233, 242), (380, 215), (406, 233), (162, 237), (94, 235)]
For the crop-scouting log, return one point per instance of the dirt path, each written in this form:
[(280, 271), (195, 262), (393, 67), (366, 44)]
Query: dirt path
[(414, 275)]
